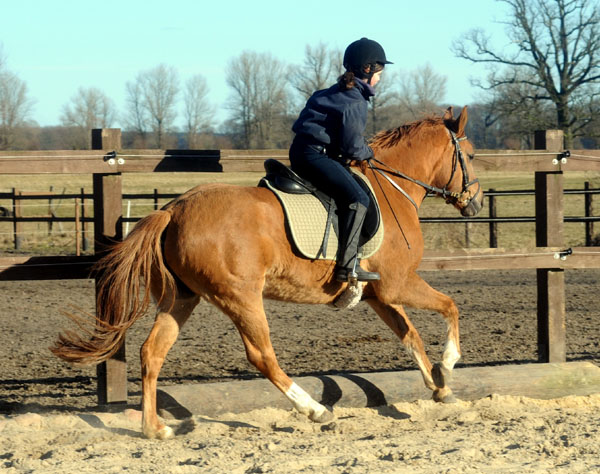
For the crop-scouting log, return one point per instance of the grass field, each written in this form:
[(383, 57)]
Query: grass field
[(37, 239)]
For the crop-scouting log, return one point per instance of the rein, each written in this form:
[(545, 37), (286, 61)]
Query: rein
[(449, 196)]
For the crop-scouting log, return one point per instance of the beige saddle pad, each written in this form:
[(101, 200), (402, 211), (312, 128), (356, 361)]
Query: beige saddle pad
[(307, 219)]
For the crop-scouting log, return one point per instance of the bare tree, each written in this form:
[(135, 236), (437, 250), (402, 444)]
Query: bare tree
[(15, 106), (151, 102), (198, 111), (89, 108), (320, 69), (136, 118), (382, 110), (259, 101), (554, 52), (422, 91)]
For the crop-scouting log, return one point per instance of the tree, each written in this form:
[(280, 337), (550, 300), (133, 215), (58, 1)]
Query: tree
[(554, 57), (151, 103), (136, 118), (320, 69), (89, 108), (421, 91), (15, 105), (383, 106), (198, 111), (259, 101)]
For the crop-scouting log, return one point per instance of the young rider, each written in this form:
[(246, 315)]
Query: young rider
[(330, 134)]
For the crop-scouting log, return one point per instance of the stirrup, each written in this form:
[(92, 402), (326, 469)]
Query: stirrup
[(355, 274)]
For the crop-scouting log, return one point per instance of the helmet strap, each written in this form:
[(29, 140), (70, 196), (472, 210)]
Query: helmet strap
[(369, 70)]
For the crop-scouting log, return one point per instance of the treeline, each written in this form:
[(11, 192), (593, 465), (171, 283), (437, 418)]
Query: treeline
[(546, 76)]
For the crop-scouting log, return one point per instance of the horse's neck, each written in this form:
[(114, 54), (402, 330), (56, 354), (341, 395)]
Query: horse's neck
[(410, 163)]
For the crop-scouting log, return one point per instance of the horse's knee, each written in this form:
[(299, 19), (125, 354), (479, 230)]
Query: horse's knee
[(263, 361)]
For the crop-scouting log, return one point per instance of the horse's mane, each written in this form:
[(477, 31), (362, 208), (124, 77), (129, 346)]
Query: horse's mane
[(391, 137)]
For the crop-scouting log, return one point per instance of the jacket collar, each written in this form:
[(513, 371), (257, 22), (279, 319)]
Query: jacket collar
[(367, 90)]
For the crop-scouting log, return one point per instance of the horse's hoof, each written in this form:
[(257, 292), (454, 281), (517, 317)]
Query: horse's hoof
[(444, 396), (441, 375), (165, 432), (324, 417)]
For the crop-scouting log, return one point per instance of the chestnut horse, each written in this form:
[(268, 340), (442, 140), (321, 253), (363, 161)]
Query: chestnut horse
[(228, 245)]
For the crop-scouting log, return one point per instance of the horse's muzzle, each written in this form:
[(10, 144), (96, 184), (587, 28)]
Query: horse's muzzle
[(472, 208)]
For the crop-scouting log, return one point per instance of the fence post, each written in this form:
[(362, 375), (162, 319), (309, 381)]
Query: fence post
[(549, 233), (108, 228), (84, 225), (77, 224), (493, 215), (16, 208), (589, 225)]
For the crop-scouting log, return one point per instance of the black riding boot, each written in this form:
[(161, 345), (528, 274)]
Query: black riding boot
[(348, 268)]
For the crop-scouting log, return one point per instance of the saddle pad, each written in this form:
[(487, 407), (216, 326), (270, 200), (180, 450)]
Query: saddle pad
[(307, 219)]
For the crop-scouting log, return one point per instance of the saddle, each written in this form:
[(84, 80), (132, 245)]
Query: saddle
[(312, 215)]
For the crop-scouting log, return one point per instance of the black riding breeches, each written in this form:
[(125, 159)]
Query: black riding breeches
[(327, 175)]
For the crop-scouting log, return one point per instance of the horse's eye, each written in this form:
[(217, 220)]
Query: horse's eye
[(471, 156)]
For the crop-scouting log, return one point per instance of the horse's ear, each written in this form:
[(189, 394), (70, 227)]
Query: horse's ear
[(448, 115), (462, 121)]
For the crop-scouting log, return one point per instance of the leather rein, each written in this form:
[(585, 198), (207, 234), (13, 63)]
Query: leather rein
[(449, 196)]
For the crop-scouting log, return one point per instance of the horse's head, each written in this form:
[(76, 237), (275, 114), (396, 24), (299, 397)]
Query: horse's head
[(462, 189), (440, 160)]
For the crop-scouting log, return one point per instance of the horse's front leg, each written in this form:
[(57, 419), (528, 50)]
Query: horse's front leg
[(422, 296), (395, 317)]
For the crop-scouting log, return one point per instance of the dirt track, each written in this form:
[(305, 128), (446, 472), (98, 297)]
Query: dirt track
[(498, 324)]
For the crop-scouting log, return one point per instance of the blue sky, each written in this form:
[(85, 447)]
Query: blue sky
[(58, 46)]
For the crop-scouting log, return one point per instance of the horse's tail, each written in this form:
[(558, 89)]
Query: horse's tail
[(132, 266)]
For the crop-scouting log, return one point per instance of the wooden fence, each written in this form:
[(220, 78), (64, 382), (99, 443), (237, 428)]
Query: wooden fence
[(107, 161), (81, 216)]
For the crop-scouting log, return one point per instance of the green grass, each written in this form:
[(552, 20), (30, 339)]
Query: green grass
[(36, 238)]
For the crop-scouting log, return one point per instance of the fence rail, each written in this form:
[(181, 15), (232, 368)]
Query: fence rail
[(108, 161), (81, 216)]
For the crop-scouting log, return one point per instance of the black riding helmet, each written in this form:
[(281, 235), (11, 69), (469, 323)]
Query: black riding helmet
[(362, 53)]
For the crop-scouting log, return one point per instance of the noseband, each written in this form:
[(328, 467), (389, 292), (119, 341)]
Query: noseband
[(450, 197)]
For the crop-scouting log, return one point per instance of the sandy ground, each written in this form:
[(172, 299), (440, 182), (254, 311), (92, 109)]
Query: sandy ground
[(49, 420), (496, 434)]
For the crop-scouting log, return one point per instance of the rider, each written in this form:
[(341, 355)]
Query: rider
[(330, 134)]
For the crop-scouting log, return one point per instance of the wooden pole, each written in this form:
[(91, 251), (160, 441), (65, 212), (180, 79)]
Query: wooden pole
[(589, 226), (493, 225), (77, 227), (108, 228), (549, 233), (106, 139), (84, 225), (16, 208)]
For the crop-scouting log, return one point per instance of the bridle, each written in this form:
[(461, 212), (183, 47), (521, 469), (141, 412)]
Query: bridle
[(461, 197)]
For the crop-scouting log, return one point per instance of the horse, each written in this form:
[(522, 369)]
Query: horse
[(229, 245)]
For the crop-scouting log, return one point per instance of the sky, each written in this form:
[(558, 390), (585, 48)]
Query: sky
[(58, 46)]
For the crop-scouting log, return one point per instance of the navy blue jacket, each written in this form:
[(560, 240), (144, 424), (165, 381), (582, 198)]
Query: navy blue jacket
[(336, 119)]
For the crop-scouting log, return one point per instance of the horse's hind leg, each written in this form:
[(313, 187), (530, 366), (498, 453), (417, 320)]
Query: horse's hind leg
[(165, 330), (247, 313)]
